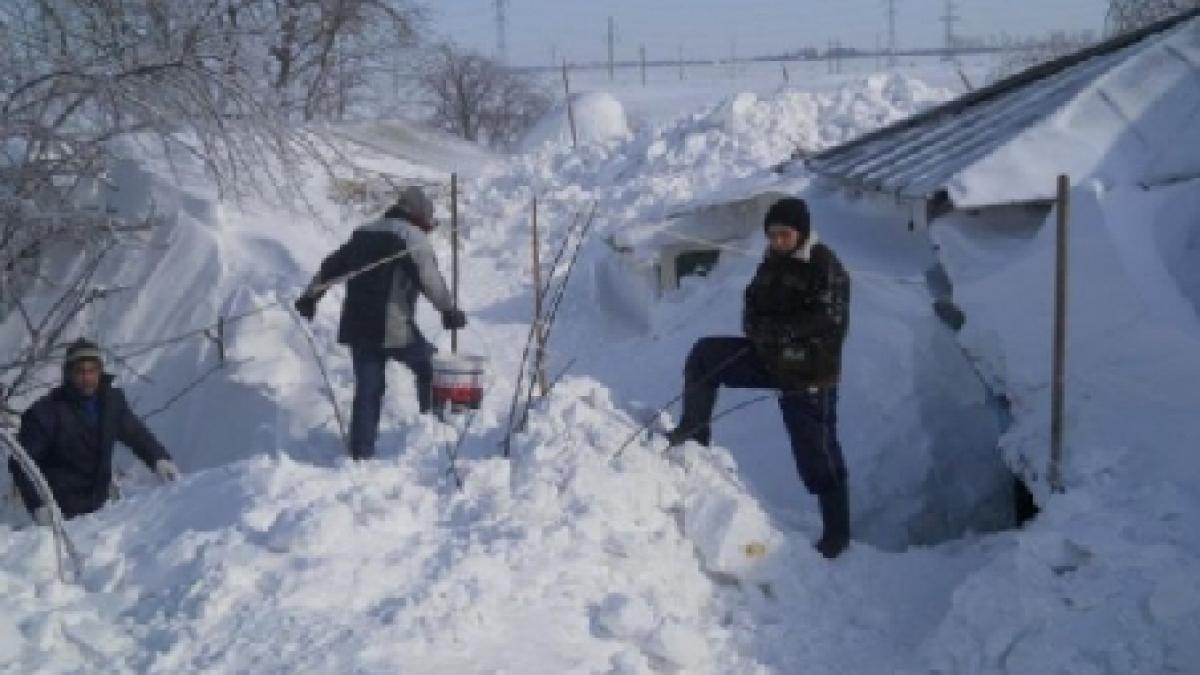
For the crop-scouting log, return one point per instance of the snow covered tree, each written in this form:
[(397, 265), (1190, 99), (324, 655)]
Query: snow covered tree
[(479, 99), (78, 78), (1127, 15), (323, 56)]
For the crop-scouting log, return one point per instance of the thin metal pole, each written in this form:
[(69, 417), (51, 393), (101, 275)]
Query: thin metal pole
[(1058, 382), (454, 253), (570, 108), (611, 39), (539, 329)]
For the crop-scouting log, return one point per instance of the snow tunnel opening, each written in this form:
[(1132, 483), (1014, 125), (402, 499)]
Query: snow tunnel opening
[(970, 489)]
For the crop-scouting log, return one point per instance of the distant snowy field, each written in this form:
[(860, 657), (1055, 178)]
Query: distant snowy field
[(278, 555)]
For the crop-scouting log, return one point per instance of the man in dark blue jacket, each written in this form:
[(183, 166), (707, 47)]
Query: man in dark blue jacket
[(70, 432), (386, 264), (795, 319)]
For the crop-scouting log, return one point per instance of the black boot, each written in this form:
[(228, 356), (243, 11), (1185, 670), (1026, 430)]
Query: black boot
[(688, 432), (835, 512), (698, 402)]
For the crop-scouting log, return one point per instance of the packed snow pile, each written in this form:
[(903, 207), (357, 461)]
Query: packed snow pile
[(666, 167), (598, 117), (358, 568)]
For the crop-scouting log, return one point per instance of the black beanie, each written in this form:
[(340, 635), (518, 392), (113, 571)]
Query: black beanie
[(789, 212)]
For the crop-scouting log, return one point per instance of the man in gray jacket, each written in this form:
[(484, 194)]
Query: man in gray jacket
[(386, 264)]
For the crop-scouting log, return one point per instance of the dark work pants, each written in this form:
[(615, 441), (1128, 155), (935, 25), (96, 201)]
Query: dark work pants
[(810, 416), (369, 385)]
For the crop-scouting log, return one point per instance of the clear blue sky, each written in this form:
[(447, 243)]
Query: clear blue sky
[(708, 28)]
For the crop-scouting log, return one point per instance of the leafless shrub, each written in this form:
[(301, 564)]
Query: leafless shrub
[(1025, 54), (479, 99)]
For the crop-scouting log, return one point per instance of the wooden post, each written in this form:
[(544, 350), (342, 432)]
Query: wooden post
[(221, 338), (539, 330), (570, 108), (642, 55), (454, 253), (1058, 382)]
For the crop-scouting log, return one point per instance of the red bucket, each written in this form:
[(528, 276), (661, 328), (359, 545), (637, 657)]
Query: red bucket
[(458, 381)]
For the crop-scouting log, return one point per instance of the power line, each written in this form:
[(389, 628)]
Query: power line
[(612, 31), (891, 33), (502, 31), (950, 18)]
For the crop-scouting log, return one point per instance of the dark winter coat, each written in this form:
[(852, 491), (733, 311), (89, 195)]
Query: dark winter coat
[(796, 315), (380, 305), (75, 455)]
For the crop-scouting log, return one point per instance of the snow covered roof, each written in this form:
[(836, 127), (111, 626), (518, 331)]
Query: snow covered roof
[(1119, 110)]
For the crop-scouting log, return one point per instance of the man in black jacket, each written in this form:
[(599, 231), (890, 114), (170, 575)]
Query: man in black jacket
[(70, 432), (386, 263), (795, 319)]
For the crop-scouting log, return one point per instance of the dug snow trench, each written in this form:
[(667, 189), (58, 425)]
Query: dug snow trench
[(562, 559)]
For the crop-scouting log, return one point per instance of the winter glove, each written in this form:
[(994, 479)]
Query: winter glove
[(306, 306), (454, 319), (42, 517), (166, 470)]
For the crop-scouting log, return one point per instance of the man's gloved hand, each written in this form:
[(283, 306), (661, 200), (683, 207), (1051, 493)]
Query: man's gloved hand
[(166, 470), (454, 319), (42, 517), (306, 306)]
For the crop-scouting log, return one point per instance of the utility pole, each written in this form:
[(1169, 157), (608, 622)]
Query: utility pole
[(642, 56), (891, 33), (950, 18), (681, 63), (501, 31), (612, 37)]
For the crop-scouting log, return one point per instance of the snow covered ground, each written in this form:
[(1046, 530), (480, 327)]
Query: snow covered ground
[(276, 554)]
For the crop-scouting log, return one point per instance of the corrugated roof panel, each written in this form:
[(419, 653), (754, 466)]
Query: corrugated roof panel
[(917, 158), (959, 144)]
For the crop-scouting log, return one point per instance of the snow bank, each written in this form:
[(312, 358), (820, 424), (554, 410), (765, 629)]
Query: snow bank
[(357, 568), (661, 168), (1116, 543)]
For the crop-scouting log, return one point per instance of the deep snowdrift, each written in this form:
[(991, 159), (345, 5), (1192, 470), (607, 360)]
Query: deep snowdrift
[(564, 560)]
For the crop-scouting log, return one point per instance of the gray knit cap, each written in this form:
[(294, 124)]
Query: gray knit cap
[(413, 205), (83, 350)]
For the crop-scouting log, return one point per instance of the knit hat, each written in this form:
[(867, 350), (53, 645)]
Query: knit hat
[(83, 350), (413, 206), (789, 212)]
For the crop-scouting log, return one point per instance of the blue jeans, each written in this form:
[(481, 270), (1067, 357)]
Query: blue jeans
[(369, 385), (809, 415)]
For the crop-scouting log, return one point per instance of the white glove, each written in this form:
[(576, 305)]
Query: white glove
[(166, 470), (41, 516)]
